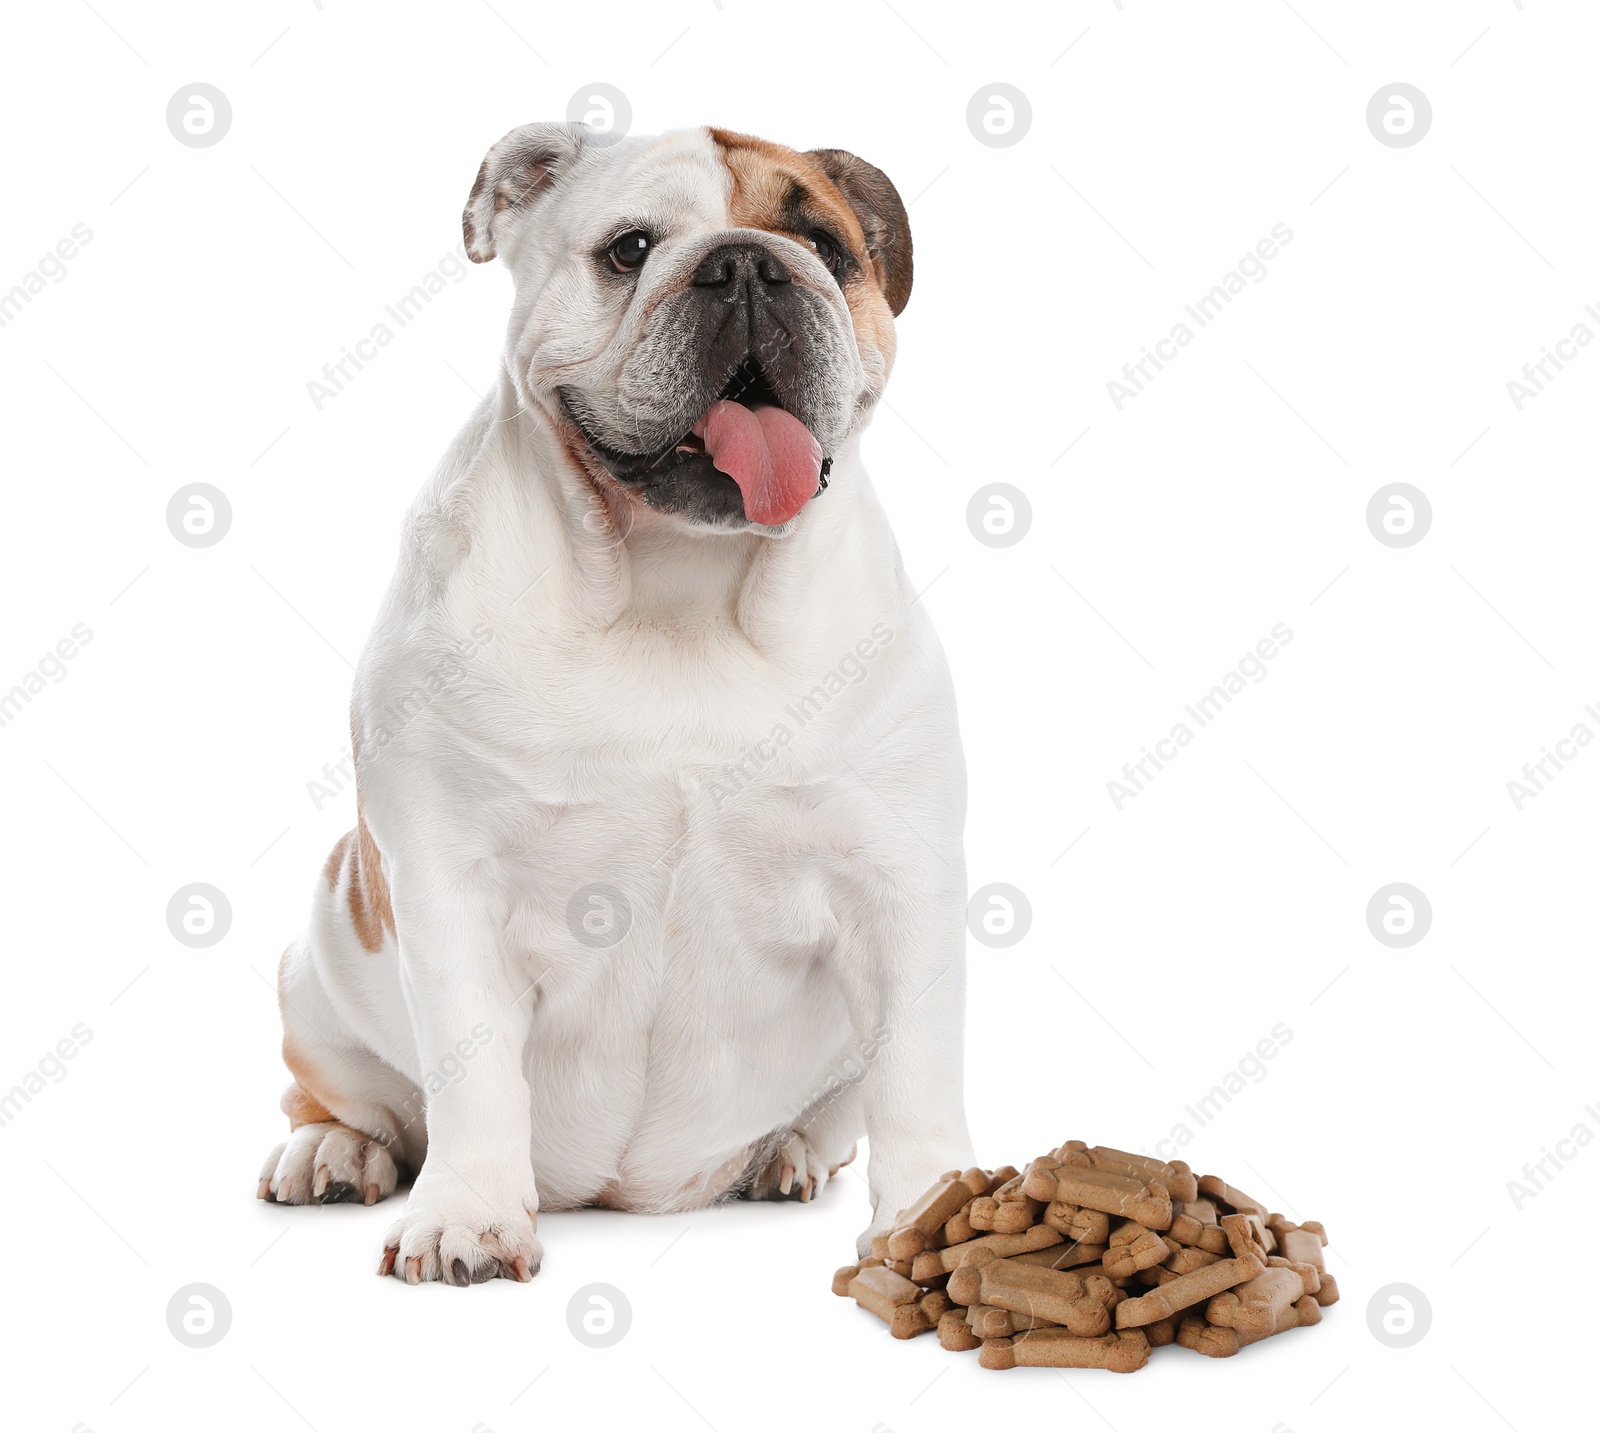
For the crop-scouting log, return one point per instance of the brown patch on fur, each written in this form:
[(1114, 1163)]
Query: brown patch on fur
[(371, 912), (786, 192), (300, 1101), (330, 870)]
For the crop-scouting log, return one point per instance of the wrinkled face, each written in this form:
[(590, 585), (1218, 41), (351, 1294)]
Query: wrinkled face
[(705, 317)]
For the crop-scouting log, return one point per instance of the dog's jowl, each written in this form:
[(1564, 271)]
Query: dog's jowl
[(656, 894)]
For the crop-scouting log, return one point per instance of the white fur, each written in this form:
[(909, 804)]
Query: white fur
[(794, 966)]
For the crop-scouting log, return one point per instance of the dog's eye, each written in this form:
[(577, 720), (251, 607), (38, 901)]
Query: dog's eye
[(826, 250), (630, 251)]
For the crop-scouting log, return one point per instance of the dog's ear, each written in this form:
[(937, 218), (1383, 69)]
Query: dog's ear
[(883, 219), (514, 173)]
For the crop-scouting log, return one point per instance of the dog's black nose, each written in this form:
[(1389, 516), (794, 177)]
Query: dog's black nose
[(738, 266)]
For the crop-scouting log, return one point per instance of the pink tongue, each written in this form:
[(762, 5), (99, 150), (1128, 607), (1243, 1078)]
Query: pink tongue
[(768, 452)]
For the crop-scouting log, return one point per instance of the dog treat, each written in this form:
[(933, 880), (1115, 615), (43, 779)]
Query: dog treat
[(1186, 1261), (1217, 1189), (1026, 1288), (1003, 1246), (1124, 1195), (1013, 1216), (1302, 1246), (1065, 1256), (1161, 1332), (958, 1227), (1088, 1226), (1176, 1177), (1255, 1307), (1187, 1289), (1218, 1342), (895, 1300), (1089, 1258), (954, 1333), (1310, 1275), (1246, 1234), (916, 1226), (1127, 1257), (1124, 1352)]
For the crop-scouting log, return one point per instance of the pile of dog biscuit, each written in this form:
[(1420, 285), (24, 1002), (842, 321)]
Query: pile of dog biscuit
[(1090, 1258)]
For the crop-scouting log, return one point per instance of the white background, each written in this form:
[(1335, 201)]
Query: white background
[(1228, 897)]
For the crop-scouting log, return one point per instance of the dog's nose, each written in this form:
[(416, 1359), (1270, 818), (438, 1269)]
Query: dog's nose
[(739, 266)]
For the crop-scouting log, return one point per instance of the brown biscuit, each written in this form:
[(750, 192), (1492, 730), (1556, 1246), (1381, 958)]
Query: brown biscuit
[(915, 1227), (1013, 1216), (1302, 1246), (842, 1278), (883, 1292), (1122, 1352), (1246, 1234), (1253, 1308), (1186, 1261), (1063, 1256), (1144, 1251), (1217, 1342), (1175, 1176), (1187, 1289), (1161, 1332), (1113, 1193), (997, 1245), (1215, 1188), (954, 1333), (1052, 1294), (1328, 1293), (1310, 1275), (958, 1228)]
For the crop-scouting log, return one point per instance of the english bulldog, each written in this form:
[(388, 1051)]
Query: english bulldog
[(656, 894)]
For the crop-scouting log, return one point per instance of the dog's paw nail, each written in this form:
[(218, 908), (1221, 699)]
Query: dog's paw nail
[(371, 1194), (459, 1276), (264, 1189), (319, 1184), (519, 1269), (386, 1264), (414, 1269)]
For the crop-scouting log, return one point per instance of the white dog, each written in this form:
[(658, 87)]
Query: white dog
[(656, 894)]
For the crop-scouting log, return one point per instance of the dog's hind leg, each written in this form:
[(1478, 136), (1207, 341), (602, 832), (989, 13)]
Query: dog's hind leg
[(797, 1161), (356, 1124)]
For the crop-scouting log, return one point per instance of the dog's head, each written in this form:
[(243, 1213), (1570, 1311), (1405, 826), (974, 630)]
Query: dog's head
[(704, 316)]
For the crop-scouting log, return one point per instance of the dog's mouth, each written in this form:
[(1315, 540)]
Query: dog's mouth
[(746, 435)]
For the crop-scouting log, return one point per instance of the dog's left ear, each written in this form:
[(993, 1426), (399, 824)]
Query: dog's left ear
[(883, 219), (515, 172)]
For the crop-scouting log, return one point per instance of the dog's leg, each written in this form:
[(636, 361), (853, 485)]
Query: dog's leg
[(355, 1124), (903, 972), (472, 1211), (820, 1142)]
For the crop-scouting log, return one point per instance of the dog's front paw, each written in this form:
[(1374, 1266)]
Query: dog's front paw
[(464, 1229)]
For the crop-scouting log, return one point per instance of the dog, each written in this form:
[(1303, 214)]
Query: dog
[(656, 894)]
